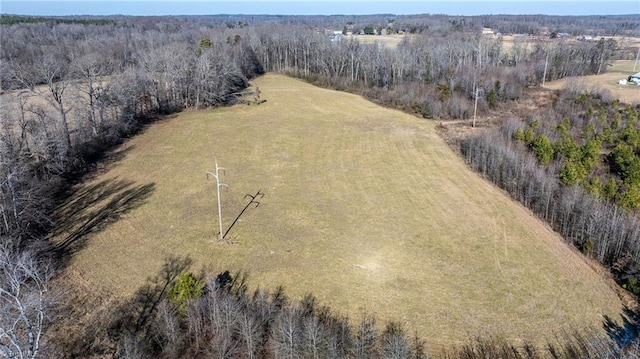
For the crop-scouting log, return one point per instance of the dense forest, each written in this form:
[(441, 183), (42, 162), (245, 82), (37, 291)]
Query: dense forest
[(73, 88)]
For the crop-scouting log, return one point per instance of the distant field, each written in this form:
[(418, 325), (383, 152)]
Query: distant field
[(391, 41), (609, 81), (625, 66), (365, 207), (509, 40)]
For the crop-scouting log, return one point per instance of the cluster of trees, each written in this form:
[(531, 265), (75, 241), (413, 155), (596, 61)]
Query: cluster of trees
[(574, 168), (26, 300), (224, 319), (433, 76), (448, 67), (178, 315), (15, 19), (590, 142), (619, 25)]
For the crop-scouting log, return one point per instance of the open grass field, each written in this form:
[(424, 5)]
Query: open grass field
[(365, 207), (629, 94), (624, 66), (390, 41)]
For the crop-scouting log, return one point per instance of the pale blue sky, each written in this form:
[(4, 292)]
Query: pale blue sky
[(310, 7)]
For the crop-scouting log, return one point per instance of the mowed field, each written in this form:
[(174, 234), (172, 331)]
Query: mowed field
[(390, 41), (365, 207), (620, 69)]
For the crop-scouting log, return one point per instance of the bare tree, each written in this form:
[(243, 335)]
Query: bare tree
[(314, 338), (519, 50), (395, 344), (91, 69), (249, 329), (168, 328), (287, 334), (366, 338), (24, 302), (21, 196), (52, 70), (203, 75)]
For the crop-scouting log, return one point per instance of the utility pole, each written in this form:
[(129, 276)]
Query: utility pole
[(475, 105), (636, 62), (546, 62), (216, 175)]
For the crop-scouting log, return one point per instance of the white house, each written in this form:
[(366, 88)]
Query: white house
[(336, 36)]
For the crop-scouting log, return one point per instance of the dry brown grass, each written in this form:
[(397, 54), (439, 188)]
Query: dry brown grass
[(509, 40), (74, 101), (391, 41), (629, 94), (624, 66), (365, 207)]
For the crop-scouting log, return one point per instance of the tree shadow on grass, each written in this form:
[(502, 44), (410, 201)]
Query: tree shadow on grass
[(99, 163), (90, 209), (626, 333), (114, 327), (133, 320), (132, 317)]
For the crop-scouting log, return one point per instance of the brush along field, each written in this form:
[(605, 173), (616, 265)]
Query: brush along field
[(365, 207)]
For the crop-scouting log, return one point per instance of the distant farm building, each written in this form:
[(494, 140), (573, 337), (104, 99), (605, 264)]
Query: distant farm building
[(585, 38), (487, 31)]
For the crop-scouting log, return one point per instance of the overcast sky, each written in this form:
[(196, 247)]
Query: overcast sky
[(310, 7)]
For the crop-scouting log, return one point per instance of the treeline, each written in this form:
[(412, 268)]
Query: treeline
[(554, 166), (431, 76), (16, 19), (614, 25), (610, 25), (445, 65), (177, 315)]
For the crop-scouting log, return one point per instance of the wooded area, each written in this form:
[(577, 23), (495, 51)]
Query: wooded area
[(73, 89)]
